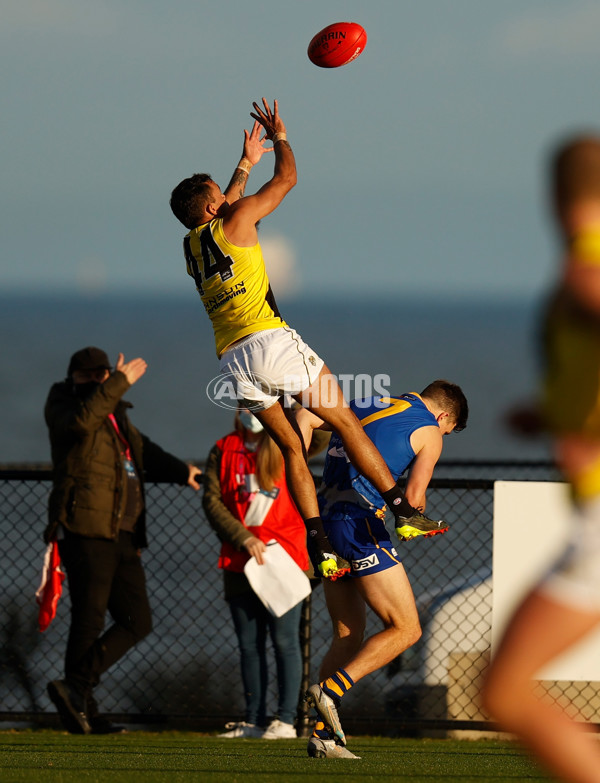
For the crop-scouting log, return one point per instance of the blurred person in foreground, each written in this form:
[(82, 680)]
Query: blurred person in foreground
[(97, 512), (565, 605), (408, 431), (257, 349), (247, 503)]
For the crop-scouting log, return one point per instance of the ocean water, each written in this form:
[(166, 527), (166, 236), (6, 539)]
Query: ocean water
[(485, 346)]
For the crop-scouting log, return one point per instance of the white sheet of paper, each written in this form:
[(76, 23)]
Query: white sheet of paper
[(279, 583)]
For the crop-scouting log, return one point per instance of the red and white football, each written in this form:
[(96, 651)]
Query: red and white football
[(336, 45)]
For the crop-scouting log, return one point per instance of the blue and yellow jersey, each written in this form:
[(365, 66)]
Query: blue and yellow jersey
[(389, 422), (232, 282)]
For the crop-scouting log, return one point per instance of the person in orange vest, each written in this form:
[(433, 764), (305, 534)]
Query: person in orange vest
[(247, 503)]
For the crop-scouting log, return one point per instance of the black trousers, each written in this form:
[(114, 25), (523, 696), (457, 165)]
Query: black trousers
[(102, 576)]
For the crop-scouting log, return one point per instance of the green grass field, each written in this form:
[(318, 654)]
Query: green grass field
[(182, 757)]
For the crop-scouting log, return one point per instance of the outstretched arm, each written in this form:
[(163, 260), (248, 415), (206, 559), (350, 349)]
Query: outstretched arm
[(240, 220), (284, 177), (253, 151)]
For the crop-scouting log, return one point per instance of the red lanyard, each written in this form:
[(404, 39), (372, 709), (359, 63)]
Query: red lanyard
[(113, 421)]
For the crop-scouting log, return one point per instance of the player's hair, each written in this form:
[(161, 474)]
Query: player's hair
[(190, 198), (269, 460), (450, 398), (575, 170)]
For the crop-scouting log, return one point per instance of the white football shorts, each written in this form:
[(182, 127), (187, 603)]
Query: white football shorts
[(270, 364), (574, 579)]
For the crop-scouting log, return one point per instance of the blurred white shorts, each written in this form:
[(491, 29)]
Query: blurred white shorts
[(270, 364), (574, 579)]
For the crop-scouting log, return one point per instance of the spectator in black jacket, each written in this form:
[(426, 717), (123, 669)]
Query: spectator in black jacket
[(97, 513)]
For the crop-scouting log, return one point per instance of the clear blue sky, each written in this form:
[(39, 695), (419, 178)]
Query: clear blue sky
[(420, 164)]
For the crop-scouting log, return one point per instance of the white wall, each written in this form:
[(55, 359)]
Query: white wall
[(531, 527)]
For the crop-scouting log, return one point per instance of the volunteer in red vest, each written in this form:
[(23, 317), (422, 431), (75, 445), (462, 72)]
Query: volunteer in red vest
[(247, 503)]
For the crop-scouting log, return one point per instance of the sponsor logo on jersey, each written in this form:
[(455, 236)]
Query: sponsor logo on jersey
[(212, 303), (365, 562)]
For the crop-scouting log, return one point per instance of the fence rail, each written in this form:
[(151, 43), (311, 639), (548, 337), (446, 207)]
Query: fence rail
[(187, 671)]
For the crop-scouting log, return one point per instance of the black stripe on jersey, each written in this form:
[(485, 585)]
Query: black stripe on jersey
[(270, 300), (192, 263)]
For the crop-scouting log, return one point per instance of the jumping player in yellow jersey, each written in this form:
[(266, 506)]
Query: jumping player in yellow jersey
[(265, 357), (565, 605)]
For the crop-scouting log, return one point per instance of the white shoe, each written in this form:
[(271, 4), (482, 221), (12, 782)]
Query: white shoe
[(241, 729), (326, 708), (279, 730), (328, 749)]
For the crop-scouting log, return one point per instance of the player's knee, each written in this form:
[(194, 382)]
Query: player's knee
[(291, 445), (406, 633), (415, 633), (499, 699), (292, 450), (348, 424), (411, 634)]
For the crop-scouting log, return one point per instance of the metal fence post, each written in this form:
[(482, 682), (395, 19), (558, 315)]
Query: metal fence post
[(302, 720)]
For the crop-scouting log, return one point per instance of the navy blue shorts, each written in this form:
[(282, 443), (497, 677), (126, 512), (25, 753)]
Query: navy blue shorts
[(364, 542)]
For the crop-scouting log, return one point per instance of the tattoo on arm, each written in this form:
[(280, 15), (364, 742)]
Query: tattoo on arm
[(237, 185)]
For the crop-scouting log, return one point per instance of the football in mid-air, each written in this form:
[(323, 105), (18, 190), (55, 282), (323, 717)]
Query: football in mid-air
[(336, 45)]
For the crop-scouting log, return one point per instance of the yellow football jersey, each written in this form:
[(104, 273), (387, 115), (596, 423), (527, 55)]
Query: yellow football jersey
[(571, 395), (232, 282)]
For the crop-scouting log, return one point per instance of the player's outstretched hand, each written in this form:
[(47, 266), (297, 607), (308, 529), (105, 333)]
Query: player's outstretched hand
[(254, 146), (133, 369), (270, 120)]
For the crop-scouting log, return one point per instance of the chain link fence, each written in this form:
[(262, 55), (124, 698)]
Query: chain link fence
[(187, 671)]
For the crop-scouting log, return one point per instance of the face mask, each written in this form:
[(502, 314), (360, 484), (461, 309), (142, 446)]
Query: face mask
[(250, 422)]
